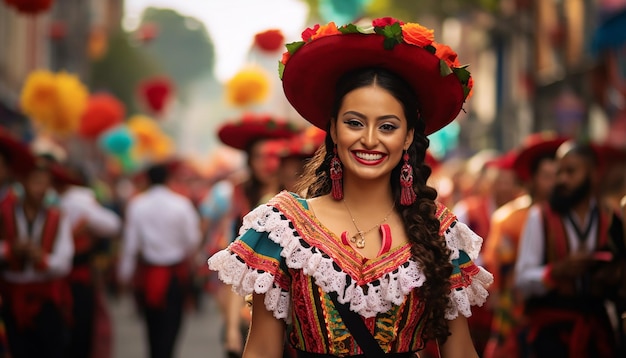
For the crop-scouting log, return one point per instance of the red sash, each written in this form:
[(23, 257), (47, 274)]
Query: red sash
[(27, 299), (83, 243), (153, 281)]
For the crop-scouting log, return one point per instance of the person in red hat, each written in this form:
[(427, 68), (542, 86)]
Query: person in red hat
[(570, 264), (15, 160), (90, 222), (250, 133), (535, 167), (36, 246), (367, 263)]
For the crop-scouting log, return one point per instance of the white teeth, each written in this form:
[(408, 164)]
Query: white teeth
[(368, 156)]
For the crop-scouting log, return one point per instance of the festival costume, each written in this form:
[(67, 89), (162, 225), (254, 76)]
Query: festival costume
[(36, 297), (285, 253), (90, 222), (566, 318), (162, 231)]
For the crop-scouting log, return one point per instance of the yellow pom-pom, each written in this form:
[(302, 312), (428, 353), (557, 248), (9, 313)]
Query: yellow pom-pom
[(151, 142), (249, 86), (54, 102)]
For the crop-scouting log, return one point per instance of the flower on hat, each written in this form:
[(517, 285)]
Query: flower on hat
[(395, 32)]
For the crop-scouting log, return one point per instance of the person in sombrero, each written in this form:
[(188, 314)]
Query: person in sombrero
[(368, 264), (250, 134)]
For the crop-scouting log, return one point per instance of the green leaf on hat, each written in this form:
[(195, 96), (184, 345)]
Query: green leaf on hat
[(444, 69), (281, 69), (389, 44), (349, 29), (462, 74), (430, 48), (294, 46)]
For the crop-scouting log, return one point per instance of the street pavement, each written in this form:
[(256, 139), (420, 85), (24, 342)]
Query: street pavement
[(199, 336)]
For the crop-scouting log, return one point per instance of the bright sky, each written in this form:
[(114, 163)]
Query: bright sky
[(232, 24)]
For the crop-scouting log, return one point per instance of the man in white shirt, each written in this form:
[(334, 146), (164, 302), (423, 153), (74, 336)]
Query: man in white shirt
[(36, 247), (564, 247), (90, 221), (161, 234)]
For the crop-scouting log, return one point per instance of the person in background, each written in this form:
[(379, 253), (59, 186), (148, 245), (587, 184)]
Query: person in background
[(90, 221), (250, 134), (565, 267), (161, 235), (535, 165), (37, 248), (500, 187), (368, 263)]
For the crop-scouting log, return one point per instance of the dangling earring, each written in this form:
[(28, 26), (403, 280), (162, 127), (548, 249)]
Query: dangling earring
[(407, 194), (336, 175)]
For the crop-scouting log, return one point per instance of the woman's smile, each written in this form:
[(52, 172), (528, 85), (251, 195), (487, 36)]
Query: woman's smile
[(367, 157)]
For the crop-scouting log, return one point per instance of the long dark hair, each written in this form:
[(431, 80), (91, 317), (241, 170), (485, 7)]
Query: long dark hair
[(428, 248)]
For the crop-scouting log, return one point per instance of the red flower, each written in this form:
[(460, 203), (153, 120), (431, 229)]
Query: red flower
[(384, 21), (285, 58), (445, 53), (306, 34)]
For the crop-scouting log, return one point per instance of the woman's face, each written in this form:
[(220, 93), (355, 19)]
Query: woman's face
[(263, 165), (371, 133)]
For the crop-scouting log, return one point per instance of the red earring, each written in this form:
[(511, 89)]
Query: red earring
[(407, 194), (336, 175)]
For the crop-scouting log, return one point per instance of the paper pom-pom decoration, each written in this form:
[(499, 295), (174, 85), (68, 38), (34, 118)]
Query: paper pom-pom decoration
[(103, 112), (54, 102), (269, 40), (151, 142), (249, 86), (117, 141), (147, 32), (30, 7), (97, 44), (156, 93)]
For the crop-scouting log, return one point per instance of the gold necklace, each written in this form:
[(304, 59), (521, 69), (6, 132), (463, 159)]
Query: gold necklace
[(360, 241)]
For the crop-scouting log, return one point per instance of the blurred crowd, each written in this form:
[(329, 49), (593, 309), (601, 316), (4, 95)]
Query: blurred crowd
[(550, 212)]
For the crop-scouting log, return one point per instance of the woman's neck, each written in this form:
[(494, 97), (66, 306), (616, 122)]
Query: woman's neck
[(366, 195)]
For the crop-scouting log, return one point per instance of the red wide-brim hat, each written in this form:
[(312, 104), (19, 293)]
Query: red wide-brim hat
[(239, 134), (311, 73), (20, 158), (536, 146)]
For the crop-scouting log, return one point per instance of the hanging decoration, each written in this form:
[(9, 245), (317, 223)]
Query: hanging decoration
[(147, 32), (270, 40), (117, 143), (54, 101), (97, 44), (150, 141), (155, 93), (30, 7), (342, 12), (103, 112), (249, 86)]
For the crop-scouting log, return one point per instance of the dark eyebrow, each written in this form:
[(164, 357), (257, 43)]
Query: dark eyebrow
[(360, 115)]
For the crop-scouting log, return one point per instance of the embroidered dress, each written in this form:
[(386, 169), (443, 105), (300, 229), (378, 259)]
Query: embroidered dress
[(284, 252)]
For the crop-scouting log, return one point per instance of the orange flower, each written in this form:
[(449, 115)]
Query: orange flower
[(286, 57), (326, 30), (445, 53), (416, 34)]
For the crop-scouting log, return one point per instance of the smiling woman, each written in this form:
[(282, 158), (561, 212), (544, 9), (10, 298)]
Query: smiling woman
[(320, 272), (231, 24)]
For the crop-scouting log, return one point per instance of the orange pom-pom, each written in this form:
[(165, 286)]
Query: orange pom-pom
[(103, 112)]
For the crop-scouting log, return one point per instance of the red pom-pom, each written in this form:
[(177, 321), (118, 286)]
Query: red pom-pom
[(270, 40), (103, 112), (156, 93)]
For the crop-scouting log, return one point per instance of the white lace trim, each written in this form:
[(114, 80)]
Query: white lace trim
[(461, 237), (379, 295)]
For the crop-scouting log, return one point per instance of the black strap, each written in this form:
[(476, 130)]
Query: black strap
[(357, 328), (582, 234)]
